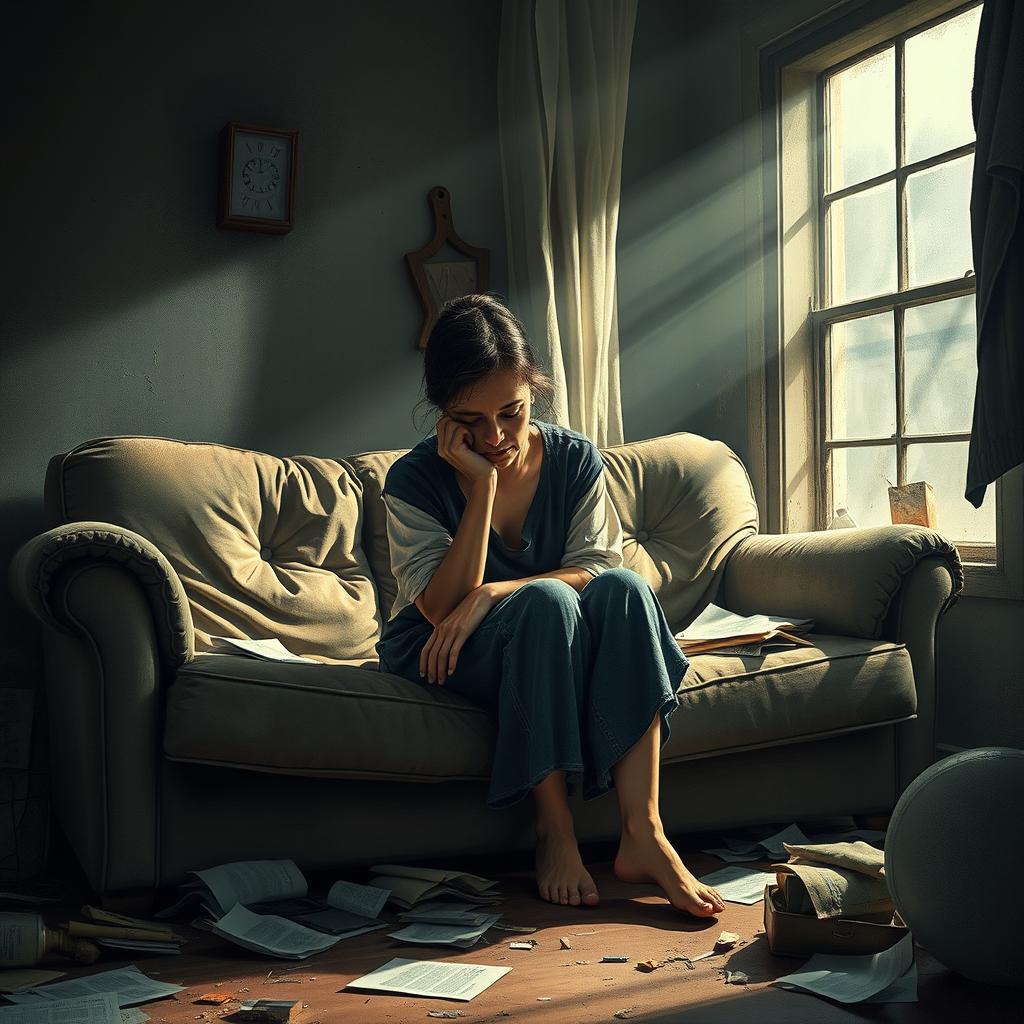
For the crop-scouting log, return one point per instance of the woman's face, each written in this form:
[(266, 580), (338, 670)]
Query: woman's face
[(497, 414)]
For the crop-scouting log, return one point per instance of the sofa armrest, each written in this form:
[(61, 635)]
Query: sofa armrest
[(116, 627), (846, 580), (39, 563)]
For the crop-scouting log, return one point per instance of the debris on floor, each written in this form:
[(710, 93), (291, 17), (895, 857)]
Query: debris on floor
[(564, 943), (278, 1011), (523, 945), (445, 1014), (614, 959), (726, 940), (735, 978), (214, 998), (543, 999), (625, 1013)]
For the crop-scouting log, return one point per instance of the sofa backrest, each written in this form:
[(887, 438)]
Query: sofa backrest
[(297, 548), (265, 547), (685, 502)]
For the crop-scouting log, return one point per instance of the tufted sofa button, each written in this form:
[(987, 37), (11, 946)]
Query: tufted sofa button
[(266, 554), (642, 535)]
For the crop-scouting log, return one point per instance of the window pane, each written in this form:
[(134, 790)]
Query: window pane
[(944, 466), (860, 483), (938, 73), (862, 362), (862, 243), (939, 222), (862, 121), (939, 344)]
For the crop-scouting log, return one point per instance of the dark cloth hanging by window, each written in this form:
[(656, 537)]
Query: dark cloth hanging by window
[(997, 229)]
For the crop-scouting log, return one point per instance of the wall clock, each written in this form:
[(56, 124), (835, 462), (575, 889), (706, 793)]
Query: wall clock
[(257, 178)]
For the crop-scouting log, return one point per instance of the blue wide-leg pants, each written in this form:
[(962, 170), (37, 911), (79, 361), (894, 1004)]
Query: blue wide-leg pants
[(575, 679)]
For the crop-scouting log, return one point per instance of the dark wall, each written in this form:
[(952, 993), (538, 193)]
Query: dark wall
[(126, 310)]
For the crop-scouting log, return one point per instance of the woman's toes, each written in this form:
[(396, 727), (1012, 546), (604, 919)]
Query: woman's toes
[(574, 897), (590, 897)]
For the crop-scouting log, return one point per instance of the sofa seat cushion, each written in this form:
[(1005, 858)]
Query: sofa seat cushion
[(328, 719), (350, 721), (842, 683)]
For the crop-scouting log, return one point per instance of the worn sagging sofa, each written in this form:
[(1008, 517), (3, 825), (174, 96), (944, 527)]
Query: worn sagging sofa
[(166, 758)]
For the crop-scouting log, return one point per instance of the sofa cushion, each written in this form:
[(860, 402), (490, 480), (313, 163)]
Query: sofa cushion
[(265, 547), (685, 502), (358, 722)]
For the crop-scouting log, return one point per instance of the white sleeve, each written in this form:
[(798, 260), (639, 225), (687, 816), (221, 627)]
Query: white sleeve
[(594, 542), (418, 544)]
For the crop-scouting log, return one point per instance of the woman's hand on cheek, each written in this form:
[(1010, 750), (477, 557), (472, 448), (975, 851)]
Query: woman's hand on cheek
[(455, 446), (440, 654)]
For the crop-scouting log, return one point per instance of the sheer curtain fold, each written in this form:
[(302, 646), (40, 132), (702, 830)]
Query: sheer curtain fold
[(563, 75)]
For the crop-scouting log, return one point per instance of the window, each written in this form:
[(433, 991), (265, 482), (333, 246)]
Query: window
[(859, 144), (893, 320)]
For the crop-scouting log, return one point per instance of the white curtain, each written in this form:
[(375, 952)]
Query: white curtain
[(563, 76)]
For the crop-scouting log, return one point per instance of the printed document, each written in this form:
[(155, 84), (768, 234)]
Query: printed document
[(461, 935), (252, 881), (101, 1008), (365, 900), (265, 933), (430, 978), (129, 983)]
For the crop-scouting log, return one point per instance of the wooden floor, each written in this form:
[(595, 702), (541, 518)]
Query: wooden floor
[(630, 920)]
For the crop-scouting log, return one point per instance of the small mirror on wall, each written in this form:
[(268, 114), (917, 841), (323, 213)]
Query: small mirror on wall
[(446, 267), (257, 178)]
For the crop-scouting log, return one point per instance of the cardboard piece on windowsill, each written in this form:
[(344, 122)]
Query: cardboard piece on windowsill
[(914, 504)]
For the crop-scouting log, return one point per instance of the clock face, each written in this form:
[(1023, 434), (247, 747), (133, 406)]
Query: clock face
[(259, 185)]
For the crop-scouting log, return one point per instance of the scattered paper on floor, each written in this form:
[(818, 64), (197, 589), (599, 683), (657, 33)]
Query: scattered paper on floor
[(436, 978), (267, 933), (365, 900), (100, 1008), (855, 979), (129, 983), (462, 936), (739, 885)]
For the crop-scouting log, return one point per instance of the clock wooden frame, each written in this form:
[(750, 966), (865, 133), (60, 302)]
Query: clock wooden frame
[(225, 219)]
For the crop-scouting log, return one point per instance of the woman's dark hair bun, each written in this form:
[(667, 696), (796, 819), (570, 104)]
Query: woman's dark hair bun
[(474, 335)]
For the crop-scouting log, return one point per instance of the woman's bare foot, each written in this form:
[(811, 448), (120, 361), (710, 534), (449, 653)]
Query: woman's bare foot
[(561, 876), (650, 857)]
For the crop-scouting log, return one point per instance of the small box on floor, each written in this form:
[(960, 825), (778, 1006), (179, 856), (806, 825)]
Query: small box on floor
[(270, 1011), (805, 934)]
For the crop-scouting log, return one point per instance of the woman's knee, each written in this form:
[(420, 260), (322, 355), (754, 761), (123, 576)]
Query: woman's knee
[(548, 594), (618, 579)]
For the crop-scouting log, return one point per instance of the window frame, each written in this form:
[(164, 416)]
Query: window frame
[(784, 103)]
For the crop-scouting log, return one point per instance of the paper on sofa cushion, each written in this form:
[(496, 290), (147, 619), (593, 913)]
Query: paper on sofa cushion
[(267, 650), (715, 623), (430, 978), (267, 933), (853, 979), (129, 984)]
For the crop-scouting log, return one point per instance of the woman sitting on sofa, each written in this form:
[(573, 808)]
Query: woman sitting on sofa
[(507, 552)]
